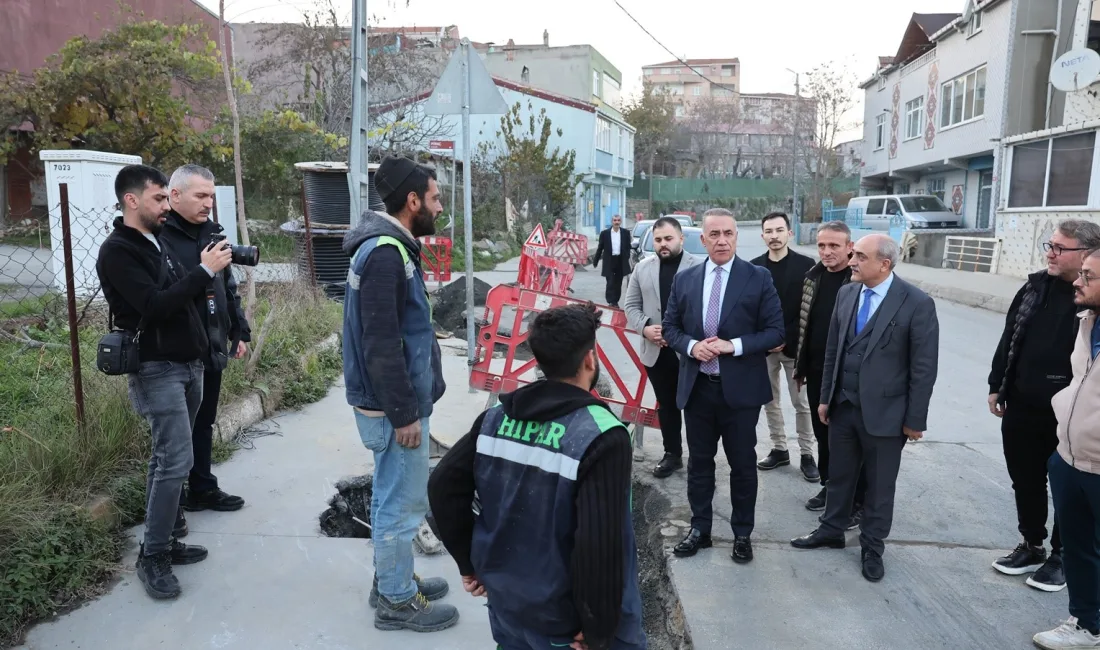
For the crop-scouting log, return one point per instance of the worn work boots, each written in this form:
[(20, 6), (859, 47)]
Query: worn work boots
[(432, 588), (416, 614)]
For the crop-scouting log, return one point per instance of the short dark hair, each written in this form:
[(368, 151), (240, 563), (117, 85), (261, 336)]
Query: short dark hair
[(668, 221), (133, 179), (560, 337), (417, 181), (776, 215)]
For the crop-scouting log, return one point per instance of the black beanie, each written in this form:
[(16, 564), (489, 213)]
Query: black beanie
[(391, 174)]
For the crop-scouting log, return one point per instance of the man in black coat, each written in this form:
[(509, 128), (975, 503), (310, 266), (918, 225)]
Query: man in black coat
[(614, 250), (187, 231), (788, 270)]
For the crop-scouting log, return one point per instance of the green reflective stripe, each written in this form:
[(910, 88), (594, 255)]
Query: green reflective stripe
[(604, 419), (386, 239)]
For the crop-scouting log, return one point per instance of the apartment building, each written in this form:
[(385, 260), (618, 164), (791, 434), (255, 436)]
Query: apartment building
[(1051, 172), (695, 79)]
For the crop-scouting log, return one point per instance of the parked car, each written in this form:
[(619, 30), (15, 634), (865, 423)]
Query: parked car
[(918, 210), (685, 219), (693, 243)]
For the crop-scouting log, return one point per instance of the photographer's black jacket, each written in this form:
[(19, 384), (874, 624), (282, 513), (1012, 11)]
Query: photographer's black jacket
[(227, 326), (130, 271)]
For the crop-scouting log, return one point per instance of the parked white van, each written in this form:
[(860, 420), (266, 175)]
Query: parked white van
[(919, 211)]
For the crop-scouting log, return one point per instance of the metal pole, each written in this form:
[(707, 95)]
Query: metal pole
[(794, 156), (467, 205), (70, 290), (357, 149), (454, 185)]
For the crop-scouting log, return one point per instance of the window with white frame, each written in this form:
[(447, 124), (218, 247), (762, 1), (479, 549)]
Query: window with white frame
[(937, 187), (679, 111), (880, 131), (1055, 172), (882, 83), (603, 135), (963, 98), (914, 108), (611, 90), (975, 24), (696, 90), (596, 83), (649, 72)]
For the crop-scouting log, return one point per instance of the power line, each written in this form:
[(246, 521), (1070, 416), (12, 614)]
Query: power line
[(674, 55)]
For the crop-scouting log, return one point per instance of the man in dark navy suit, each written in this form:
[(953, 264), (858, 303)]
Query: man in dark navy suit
[(722, 317)]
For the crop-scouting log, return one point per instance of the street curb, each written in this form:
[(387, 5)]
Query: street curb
[(997, 304), (232, 418)]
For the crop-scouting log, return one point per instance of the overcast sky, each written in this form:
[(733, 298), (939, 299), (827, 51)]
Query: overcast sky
[(768, 36)]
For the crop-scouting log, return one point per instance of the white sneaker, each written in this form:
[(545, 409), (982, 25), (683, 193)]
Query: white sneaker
[(1067, 635)]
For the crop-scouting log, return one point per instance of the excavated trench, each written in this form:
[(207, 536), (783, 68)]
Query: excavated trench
[(348, 515)]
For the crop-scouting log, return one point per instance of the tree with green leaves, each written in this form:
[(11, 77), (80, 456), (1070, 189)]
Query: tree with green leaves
[(141, 88), (654, 117), (523, 167)]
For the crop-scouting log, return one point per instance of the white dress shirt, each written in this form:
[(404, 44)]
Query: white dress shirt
[(616, 243), (708, 286), (878, 294)]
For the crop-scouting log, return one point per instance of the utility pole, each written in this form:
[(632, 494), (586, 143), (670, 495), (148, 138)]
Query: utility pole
[(357, 149), (795, 216)]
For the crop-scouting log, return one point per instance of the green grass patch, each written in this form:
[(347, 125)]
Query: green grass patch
[(50, 552), (27, 239), (274, 246)]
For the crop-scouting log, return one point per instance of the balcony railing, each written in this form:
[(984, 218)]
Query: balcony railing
[(918, 63)]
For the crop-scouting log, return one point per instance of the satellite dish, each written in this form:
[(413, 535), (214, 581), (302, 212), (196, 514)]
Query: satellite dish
[(1075, 70)]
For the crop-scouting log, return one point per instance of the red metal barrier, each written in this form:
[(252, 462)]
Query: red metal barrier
[(504, 329), (435, 257), (567, 246), (546, 274)]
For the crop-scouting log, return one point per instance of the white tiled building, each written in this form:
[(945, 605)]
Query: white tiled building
[(933, 113), (1053, 172)]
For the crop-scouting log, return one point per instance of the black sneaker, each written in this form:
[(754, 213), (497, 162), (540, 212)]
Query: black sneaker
[(186, 553), (211, 500), (1050, 577), (1025, 559), (416, 614), (155, 572), (856, 518), (809, 469), (432, 588), (668, 465), (817, 503), (179, 529), (776, 458)]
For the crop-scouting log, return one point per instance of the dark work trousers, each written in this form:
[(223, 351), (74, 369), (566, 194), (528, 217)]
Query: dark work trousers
[(821, 432), (664, 376), (1077, 510), (1029, 436), (710, 420), (614, 289), (202, 478), (850, 444)]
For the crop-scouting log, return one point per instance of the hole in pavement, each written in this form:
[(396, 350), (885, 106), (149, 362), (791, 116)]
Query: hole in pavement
[(663, 613), (348, 512)]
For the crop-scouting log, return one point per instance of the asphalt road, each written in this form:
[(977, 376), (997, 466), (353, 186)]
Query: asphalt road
[(954, 515)]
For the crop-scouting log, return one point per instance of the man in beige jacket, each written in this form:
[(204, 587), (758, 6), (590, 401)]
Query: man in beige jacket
[(1074, 471)]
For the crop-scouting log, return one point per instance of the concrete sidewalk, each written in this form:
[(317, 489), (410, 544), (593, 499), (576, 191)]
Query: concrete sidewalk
[(272, 580)]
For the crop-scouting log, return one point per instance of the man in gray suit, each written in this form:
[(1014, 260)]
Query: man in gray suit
[(646, 299), (880, 367)]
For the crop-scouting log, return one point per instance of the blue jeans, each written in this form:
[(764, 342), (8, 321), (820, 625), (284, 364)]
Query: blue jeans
[(1077, 511), (398, 504), (168, 395)]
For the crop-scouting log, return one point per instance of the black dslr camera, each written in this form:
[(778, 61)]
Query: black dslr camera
[(242, 255)]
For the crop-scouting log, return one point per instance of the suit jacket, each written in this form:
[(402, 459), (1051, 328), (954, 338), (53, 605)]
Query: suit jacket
[(750, 312), (603, 252), (898, 371), (643, 300)]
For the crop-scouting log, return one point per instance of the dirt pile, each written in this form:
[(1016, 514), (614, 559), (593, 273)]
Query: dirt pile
[(449, 305)]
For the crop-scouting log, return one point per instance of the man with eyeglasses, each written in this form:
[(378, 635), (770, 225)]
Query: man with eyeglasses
[(1031, 364)]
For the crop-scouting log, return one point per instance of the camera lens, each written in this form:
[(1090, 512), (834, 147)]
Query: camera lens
[(246, 255)]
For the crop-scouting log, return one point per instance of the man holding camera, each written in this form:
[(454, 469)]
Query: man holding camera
[(187, 231), (149, 292)]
